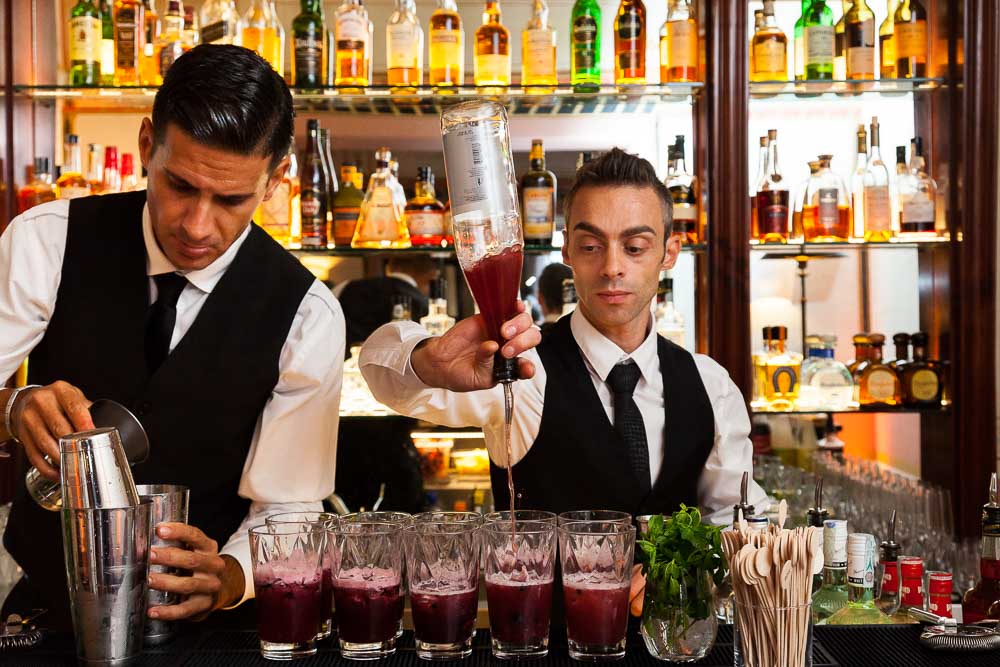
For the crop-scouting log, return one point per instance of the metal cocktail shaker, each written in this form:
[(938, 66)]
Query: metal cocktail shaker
[(169, 504), (95, 473)]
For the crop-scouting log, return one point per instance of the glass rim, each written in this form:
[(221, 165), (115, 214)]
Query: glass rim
[(284, 529), (619, 517), (611, 528), (504, 515), (346, 528), (463, 522), (521, 526), (277, 518), (370, 516)]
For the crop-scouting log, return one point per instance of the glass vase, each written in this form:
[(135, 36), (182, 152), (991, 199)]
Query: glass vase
[(680, 625)]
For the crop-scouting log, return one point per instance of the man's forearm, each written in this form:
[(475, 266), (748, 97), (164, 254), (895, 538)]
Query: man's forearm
[(233, 584)]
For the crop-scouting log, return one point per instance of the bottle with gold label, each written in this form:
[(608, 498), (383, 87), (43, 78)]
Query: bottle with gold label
[(85, 44), (910, 29), (630, 43), (878, 384), (275, 214), (347, 204), (351, 44), (446, 61), (538, 50), (492, 62), (679, 44), (424, 213), (781, 386), (538, 199), (769, 49), (404, 46), (859, 35), (130, 38), (921, 378), (886, 44), (381, 221)]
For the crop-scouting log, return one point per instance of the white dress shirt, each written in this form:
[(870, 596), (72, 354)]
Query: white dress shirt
[(385, 364), (302, 408)]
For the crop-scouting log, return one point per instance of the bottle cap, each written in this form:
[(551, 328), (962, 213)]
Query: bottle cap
[(860, 543), (41, 165), (939, 583), (111, 157), (780, 332), (919, 339), (72, 139), (128, 166), (901, 339), (911, 567), (504, 369), (835, 541), (860, 339), (876, 339)]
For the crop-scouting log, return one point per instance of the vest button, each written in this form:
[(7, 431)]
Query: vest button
[(143, 408)]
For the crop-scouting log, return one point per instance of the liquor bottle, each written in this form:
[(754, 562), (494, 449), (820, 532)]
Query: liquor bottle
[(446, 56), (381, 223), (978, 600), (917, 193), (859, 36), (679, 44), (769, 48), (149, 68), (877, 200), (130, 181), (826, 210), (39, 188), (219, 22), (404, 46), (398, 194), (402, 308), (309, 46), (669, 321), (492, 62), (858, 185), (759, 360), (840, 43), (832, 596), (585, 51), (878, 384), (816, 516), (71, 183), (887, 46), (437, 322), (274, 215), (130, 36), (85, 44), (782, 387), (329, 173), (630, 43), (772, 198), (569, 296), (538, 50), (826, 383), (347, 205), (860, 608), (112, 180), (313, 199), (682, 187), (424, 213), (902, 343), (910, 28), (797, 235), (95, 168), (758, 186), (352, 45), (818, 41), (261, 31), (170, 43), (192, 36), (758, 25), (107, 42), (538, 199), (921, 379), (862, 351), (798, 42), (889, 574)]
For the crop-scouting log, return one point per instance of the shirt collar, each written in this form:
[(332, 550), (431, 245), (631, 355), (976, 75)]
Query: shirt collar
[(602, 354), (204, 279), (405, 277)]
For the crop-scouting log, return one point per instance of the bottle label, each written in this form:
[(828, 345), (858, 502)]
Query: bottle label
[(912, 592), (819, 45), (769, 58), (682, 44), (585, 55), (684, 212), (214, 32), (312, 205), (480, 170), (493, 68), (378, 222), (403, 45), (168, 54), (911, 40), (877, 214), (630, 26), (924, 385), (784, 379), (425, 223), (861, 569), (888, 55), (882, 385), (540, 53), (538, 213), (351, 28), (940, 605), (308, 57), (345, 221), (127, 39), (446, 48), (829, 212), (772, 217), (85, 39), (890, 583), (916, 209)]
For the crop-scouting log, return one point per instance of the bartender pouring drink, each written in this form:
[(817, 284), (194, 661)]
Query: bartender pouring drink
[(171, 302), (608, 414)]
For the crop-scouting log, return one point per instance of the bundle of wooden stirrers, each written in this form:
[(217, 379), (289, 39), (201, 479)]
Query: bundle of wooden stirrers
[(772, 573)]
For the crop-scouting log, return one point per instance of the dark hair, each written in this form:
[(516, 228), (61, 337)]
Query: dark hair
[(226, 97), (616, 168), (550, 284)]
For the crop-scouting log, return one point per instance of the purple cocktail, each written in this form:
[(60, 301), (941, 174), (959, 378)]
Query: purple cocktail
[(596, 612), (369, 607), (519, 612), (288, 612), (444, 617)]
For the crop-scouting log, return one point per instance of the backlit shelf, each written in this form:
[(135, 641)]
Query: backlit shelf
[(846, 88)]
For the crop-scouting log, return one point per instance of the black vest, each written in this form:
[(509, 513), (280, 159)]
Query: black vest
[(201, 406), (577, 460)]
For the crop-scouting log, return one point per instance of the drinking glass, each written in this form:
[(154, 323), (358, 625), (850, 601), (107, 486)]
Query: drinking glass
[(601, 516), (287, 579), (520, 568), (325, 520), (442, 557), (368, 587), (596, 559), (521, 515)]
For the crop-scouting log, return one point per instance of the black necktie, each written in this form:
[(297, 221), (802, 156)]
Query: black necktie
[(161, 319), (628, 421)]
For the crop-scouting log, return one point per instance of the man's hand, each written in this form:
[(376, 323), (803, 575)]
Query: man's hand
[(215, 581), (462, 359), (637, 591), (43, 415)]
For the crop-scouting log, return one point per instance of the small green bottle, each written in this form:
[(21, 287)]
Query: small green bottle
[(85, 33), (832, 595), (818, 41), (860, 608), (107, 43), (309, 47), (799, 39), (585, 32)]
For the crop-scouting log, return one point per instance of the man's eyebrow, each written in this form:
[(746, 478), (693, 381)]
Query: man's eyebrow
[(585, 226), (637, 230)]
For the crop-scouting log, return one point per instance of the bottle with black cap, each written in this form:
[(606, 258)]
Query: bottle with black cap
[(888, 572), (920, 378), (978, 600), (815, 517), (39, 188)]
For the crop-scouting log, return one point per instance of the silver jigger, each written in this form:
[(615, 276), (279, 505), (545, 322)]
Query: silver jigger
[(169, 504), (107, 565)]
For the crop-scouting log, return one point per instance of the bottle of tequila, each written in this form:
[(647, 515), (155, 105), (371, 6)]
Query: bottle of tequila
[(783, 369), (878, 384), (826, 383), (538, 50), (585, 54), (630, 43), (381, 221), (860, 608), (446, 58), (492, 63), (679, 44), (404, 46), (832, 595), (437, 321), (920, 378), (352, 44)]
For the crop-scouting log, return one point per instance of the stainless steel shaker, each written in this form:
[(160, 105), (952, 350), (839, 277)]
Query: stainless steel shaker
[(169, 504), (94, 471)]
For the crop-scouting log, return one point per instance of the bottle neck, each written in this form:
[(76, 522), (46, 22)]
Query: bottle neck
[(876, 354), (425, 190), (919, 353), (312, 6), (448, 5), (312, 142), (835, 575), (492, 12), (539, 14), (772, 159), (437, 307), (861, 352), (73, 161), (901, 352), (538, 162)]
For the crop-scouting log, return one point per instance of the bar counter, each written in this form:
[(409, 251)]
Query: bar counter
[(846, 646)]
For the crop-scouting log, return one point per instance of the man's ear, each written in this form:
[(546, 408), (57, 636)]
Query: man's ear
[(672, 251), (277, 174)]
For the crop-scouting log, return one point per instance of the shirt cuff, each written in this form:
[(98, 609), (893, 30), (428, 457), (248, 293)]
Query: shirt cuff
[(239, 549), (391, 347)]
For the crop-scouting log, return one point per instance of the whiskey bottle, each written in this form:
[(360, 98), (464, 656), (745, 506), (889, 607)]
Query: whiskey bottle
[(858, 185), (219, 22), (859, 35), (921, 379), (274, 214), (840, 43), (798, 42), (782, 387), (818, 41), (910, 28), (492, 62), (309, 47), (149, 68), (170, 43), (424, 213), (917, 197), (313, 198), (538, 199), (446, 59), (887, 46), (630, 43), (758, 23), (772, 198), (404, 47), (980, 601), (347, 204), (351, 44), (902, 343), (769, 48), (261, 31), (585, 51), (682, 187), (71, 183), (130, 37), (878, 385), (538, 50), (826, 213), (679, 44), (860, 608), (107, 42), (39, 188), (759, 185), (84, 44), (797, 235), (381, 223), (437, 322), (877, 199)]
